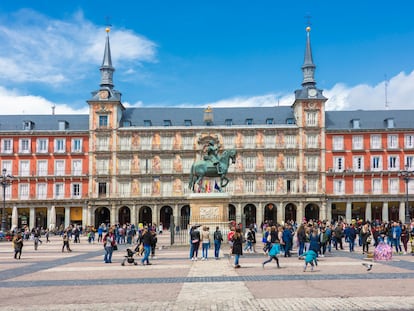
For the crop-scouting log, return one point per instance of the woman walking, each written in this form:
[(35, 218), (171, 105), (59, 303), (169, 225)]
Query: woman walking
[(66, 242), (365, 237), (237, 249), (18, 245), (274, 251)]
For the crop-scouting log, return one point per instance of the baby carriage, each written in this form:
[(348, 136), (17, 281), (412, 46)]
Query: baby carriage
[(129, 257)]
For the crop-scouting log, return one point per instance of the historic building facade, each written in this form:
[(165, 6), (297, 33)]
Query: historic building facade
[(131, 165)]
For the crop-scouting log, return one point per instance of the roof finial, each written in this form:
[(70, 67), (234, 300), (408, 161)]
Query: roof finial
[(308, 67), (106, 69)]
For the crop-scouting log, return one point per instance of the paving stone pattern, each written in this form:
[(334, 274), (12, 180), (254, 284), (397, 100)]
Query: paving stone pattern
[(48, 279)]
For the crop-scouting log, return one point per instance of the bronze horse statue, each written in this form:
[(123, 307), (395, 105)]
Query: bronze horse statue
[(203, 168)]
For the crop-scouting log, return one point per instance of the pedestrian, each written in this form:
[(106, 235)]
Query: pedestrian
[(18, 245), (323, 241), (338, 232), (154, 241), (218, 238), (109, 242), (205, 240), (365, 238), (301, 236), (230, 239), (273, 253), (195, 243), (310, 258), (146, 241), (47, 235), (351, 236), (396, 237), (237, 248), (36, 239), (287, 239), (65, 239), (404, 237)]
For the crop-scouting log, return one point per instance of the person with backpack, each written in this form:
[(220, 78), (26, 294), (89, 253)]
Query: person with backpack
[(218, 238)]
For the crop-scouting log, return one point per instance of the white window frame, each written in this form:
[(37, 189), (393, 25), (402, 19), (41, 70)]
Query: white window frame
[(290, 163), (102, 143), (59, 190), (41, 191), (42, 167), (270, 186), (409, 162), (270, 164), (76, 190), (339, 164), (24, 145), (338, 143), (359, 186), (312, 141), (7, 145), (290, 141), (102, 167), (7, 164), (42, 145), (125, 143), (358, 163), (376, 141), (339, 186), (24, 167), (77, 167), (24, 191), (392, 140), (77, 145), (393, 185), (377, 186), (376, 163), (311, 118), (249, 164), (60, 167), (357, 142), (393, 162), (270, 141), (409, 141), (60, 145)]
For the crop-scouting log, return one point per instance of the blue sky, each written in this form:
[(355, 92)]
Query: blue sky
[(199, 53)]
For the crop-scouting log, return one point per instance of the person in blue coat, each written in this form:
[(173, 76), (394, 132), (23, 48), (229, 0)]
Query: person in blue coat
[(310, 258), (287, 239)]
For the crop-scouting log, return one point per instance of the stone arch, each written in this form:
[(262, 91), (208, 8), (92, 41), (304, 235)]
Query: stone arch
[(290, 212), (270, 213), (145, 215), (124, 215), (102, 216), (312, 212), (249, 214), (185, 214), (165, 216), (232, 212)]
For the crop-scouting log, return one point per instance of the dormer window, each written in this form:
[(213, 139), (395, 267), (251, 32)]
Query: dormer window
[(249, 121), (390, 123), (356, 124), (63, 125), (188, 123), (269, 121), (28, 125), (228, 122), (167, 123), (126, 123), (290, 121), (147, 123)]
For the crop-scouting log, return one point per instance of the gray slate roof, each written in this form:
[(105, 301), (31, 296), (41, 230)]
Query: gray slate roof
[(369, 119), (157, 115), (75, 122)]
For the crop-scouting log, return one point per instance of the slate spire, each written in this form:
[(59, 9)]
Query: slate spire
[(308, 67)]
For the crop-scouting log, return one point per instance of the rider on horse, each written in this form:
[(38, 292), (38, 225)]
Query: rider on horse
[(213, 156)]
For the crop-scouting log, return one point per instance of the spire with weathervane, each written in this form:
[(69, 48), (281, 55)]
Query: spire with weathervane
[(308, 67), (107, 71)]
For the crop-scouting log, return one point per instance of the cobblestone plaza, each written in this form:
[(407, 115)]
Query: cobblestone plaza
[(48, 279)]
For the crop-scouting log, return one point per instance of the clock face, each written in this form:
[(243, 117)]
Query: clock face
[(312, 92), (103, 94)]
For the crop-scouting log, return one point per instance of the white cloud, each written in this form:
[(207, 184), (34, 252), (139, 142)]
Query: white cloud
[(399, 95), (38, 49), (18, 104)]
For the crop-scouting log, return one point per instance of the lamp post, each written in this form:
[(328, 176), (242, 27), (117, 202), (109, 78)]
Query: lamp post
[(6, 180), (406, 176)]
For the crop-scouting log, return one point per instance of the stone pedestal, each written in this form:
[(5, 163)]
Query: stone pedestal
[(209, 207)]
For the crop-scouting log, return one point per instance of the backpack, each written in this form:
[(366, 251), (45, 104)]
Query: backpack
[(218, 236)]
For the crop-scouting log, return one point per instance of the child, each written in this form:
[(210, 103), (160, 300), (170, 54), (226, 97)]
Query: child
[(310, 258), (274, 251)]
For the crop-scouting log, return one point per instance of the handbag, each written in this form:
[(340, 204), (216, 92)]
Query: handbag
[(115, 247), (369, 239)]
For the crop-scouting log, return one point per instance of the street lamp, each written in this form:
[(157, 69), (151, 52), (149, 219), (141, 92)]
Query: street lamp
[(6, 180), (406, 176)]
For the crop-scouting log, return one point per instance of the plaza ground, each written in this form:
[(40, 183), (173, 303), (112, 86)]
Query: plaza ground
[(48, 279)]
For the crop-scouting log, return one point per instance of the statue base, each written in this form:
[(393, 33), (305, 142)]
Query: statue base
[(209, 207)]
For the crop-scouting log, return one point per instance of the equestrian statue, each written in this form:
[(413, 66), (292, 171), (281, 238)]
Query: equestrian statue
[(212, 165)]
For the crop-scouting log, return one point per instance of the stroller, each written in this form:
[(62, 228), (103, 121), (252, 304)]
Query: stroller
[(129, 257)]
